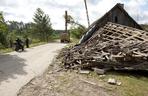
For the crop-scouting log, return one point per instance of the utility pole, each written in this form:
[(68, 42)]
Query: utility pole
[(87, 13), (66, 23)]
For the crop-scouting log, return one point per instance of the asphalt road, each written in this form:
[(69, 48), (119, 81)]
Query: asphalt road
[(18, 68)]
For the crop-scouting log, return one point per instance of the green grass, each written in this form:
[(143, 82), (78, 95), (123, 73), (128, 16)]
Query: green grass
[(7, 50), (132, 84)]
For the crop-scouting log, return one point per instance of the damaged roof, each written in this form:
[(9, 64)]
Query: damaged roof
[(116, 15), (112, 46)]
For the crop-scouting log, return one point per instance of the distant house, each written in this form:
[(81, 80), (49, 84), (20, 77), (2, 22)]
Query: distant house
[(116, 15)]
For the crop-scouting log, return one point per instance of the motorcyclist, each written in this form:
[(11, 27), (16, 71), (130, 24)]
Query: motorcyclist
[(19, 44), (27, 42)]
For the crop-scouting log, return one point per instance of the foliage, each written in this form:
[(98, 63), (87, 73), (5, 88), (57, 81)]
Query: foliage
[(77, 31), (3, 31), (70, 19), (18, 29), (39, 31), (55, 35), (42, 25)]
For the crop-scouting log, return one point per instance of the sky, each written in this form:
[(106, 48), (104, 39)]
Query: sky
[(23, 10)]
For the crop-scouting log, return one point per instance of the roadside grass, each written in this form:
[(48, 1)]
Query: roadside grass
[(7, 50), (33, 44), (133, 84)]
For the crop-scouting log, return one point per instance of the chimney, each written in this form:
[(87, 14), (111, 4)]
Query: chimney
[(122, 5)]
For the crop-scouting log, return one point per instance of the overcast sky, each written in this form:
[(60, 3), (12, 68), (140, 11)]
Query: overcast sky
[(23, 10)]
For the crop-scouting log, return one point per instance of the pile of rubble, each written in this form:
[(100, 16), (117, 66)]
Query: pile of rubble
[(112, 46)]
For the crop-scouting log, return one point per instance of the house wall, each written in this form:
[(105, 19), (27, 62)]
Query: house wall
[(123, 19)]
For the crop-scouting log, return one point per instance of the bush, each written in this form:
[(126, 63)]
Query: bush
[(77, 31)]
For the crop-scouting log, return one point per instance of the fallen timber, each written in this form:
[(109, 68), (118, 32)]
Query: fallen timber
[(112, 46)]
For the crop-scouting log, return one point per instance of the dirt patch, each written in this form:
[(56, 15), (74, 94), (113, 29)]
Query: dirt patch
[(57, 82)]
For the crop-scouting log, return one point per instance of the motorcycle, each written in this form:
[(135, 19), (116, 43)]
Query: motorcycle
[(18, 47)]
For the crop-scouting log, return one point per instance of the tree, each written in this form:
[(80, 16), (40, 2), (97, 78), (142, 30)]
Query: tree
[(77, 30), (70, 19), (16, 30), (42, 24), (3, 31)]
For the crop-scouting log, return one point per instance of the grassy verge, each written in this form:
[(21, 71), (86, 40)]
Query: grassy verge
[(6, 50), (132, 84)]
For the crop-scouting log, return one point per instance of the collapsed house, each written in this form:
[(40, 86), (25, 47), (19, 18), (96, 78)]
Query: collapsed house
[(112, 45), (116, 15)]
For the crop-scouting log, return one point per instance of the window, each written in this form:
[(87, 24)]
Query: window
[(116, 19)]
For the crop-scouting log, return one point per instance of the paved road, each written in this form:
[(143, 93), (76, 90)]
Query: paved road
[(17, 69)]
